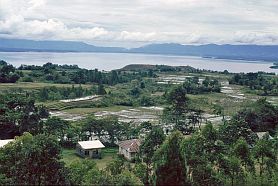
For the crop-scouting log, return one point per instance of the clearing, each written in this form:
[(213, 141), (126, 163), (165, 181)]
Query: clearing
[(108, 154)]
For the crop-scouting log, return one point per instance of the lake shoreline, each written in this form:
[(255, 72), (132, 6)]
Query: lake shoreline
[(150, 54), (111, 61)]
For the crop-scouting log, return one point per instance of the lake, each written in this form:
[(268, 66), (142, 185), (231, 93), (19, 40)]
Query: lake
[(110, 61)]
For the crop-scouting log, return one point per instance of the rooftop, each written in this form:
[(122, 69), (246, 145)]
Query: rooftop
[(95, 144), (130, 145), (5, 142)]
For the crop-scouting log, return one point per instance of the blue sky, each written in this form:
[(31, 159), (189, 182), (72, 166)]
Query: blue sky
[(137, 22)]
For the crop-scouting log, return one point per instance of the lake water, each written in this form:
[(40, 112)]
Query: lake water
[(110, 61)]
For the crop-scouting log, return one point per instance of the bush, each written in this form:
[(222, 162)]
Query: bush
[(27, 79)]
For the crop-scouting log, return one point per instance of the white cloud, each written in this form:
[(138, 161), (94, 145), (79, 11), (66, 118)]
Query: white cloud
[(144, 21), (256, 38), (136, 36)]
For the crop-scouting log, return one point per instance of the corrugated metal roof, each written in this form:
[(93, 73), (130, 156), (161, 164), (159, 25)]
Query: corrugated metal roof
[(130, 145), (95, 144), (5, 142)]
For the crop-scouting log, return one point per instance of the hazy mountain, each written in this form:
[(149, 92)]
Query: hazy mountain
[(245, 52), (57, 46)]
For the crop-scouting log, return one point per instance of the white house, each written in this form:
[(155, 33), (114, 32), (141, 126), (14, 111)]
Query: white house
[(129, 148), (5, 142), (91, 149), (262, 134)]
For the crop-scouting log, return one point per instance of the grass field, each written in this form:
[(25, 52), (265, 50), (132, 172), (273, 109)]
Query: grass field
[(206, 101), (34, 86), (108, 154)]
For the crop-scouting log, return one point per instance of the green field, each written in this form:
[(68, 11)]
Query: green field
[(35, 86), (203, 101), (108, 154)]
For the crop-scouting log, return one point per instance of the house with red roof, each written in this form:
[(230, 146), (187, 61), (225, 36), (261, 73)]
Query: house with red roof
[(129, 148)]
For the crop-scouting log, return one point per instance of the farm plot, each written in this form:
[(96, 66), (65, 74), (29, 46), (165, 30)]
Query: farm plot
[(135, 115)]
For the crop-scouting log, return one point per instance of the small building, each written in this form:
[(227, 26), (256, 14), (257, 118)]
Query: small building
[(129, 148), (261, 135), (5, 142), (90, 149)]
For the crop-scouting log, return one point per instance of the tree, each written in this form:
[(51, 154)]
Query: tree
[(265, 156), (231, 131), (230, 166), (140, 171), (33, 160), (112, 127), (152, 142), (211, 145), (169, 164), (128, 179), (135, 91), (178, 100), (114, 78), (101, 90), (146, 101), (142, 85), (260, 117), (84, 172), (7, 73), (56, 126), (19, 114), (109, 126), (242, 151), (178, 110), (116, 167), (202, 152)]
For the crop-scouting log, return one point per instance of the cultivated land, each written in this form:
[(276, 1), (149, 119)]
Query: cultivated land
[(34, 85), (232, 98)]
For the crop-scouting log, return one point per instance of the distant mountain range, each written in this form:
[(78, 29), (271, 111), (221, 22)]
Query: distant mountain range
[(236, 52), (23, 45)]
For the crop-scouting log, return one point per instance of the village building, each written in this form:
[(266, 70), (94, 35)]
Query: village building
[(5, 142), (129, 148), (89, 149), (261, 135)]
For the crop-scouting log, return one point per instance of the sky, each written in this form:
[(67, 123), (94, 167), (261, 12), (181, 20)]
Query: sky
[(131, 23)]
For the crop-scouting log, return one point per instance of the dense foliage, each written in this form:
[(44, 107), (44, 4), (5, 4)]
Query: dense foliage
[(181, 112), (260, 116), (193, 85), (73, 74), (19, 114), (261, 83), (54, 93), (8, 73), (32, 160)]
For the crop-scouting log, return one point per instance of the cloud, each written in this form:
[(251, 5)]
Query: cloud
[(136, 36), (256, 38), (142, 21)]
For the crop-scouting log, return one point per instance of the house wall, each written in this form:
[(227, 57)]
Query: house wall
[(126, 154), (80, 151), (92, 153), (95, 153)]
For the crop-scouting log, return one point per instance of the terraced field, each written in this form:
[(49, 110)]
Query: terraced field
[(59, 105), (35, 86)]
